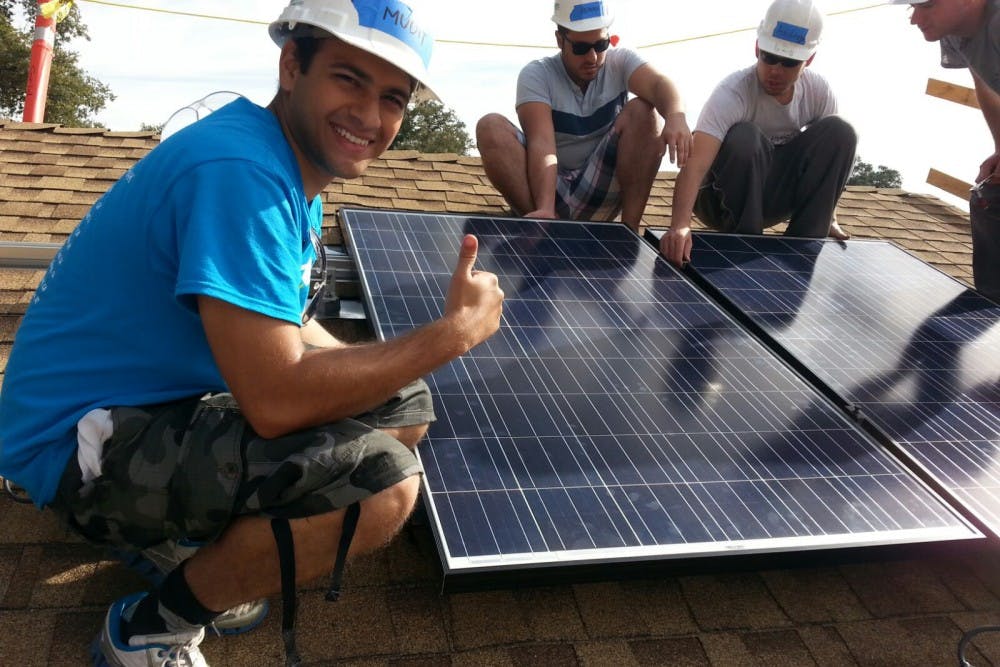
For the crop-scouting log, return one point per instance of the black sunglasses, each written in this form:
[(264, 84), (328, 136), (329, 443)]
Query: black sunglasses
[(583, 48), (317, 277), (772, 59)]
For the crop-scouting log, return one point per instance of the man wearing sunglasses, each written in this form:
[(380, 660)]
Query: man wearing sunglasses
[(969, 33), (768, 146), (586, 151)]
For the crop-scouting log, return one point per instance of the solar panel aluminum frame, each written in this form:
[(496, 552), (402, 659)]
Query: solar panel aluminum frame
[(455, 565)]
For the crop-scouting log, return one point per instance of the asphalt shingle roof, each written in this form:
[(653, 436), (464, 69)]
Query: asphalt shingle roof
[(910, 610)]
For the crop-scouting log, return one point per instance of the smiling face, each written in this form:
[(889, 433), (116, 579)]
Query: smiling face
[(940, 18), (582, 69), (342, 112)]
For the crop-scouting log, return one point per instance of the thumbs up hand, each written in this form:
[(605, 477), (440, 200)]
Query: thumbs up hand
[(475, 300)]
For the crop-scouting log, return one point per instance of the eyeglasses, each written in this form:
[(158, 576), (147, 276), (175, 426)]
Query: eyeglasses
[(583, 48), (772, 59), (317, 277)]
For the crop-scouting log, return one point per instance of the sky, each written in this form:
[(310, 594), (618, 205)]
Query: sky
[(877, 64)]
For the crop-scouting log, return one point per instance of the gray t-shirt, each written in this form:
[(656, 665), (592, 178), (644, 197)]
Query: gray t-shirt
[(981, 52), (739, 98), (580, 119)]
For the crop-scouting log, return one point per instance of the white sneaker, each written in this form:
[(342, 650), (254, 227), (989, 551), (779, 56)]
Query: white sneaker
[(170, 649), (241, 618)]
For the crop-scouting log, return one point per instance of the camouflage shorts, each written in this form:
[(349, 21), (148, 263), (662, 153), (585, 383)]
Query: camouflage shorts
[(185, 469)]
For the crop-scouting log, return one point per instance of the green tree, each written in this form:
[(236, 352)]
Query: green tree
[(74, 97), (864, 173), (430, 128)]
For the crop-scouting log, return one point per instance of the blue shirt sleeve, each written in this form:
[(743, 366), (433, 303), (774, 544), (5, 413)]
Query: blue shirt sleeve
[(244, 240)]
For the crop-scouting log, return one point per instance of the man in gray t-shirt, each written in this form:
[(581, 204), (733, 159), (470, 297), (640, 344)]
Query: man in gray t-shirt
[(768, 145), (969, 33), (586, 152)]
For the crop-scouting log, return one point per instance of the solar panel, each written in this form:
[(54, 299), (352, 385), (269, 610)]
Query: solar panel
[(907, 348), (619, 415)]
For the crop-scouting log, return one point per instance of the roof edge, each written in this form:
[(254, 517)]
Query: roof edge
[(57, 128)]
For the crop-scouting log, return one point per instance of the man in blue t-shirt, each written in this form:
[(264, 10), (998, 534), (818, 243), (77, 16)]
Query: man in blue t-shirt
[(969, 33), (586, 152), (167, 388)]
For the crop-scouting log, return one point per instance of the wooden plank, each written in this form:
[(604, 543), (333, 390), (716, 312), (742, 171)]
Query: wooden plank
[(952, 92), (949, 184)]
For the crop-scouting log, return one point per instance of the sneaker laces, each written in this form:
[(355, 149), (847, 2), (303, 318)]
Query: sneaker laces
[(179, 649)]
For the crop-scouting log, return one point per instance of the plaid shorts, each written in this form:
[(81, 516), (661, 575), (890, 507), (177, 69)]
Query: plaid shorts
[(186, 469), (590, 192)]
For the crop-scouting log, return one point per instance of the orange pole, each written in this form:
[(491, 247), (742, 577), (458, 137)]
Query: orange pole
[(38, 69)]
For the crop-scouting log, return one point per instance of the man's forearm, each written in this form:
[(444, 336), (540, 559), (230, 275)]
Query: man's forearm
[(668, 99), (685, 193), (543, 169)]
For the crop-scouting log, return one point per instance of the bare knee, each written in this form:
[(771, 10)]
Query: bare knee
[(494, 131), (383, 515), (638, 118), (639, 128), (408, 435), (316, 537)]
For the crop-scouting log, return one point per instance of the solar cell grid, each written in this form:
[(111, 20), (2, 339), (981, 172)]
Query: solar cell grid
[(914, 351), (618, 414)]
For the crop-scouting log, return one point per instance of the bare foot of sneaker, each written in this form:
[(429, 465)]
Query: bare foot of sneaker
[(836, 232)]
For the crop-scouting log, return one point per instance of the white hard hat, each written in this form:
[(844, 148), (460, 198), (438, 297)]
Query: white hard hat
[(791, 28), (582, 16), (385, 28)]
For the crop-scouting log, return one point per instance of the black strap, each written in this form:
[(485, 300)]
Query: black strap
[(286, 559), (346, 535)]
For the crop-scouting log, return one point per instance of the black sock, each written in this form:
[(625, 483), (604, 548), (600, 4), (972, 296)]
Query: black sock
[(145, 619), (176, 597)]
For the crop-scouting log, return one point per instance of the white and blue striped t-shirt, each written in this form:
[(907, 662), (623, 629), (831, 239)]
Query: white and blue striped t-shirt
[(581, 119)]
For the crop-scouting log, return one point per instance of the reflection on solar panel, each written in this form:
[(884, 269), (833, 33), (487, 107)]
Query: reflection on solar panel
[(618, 415), (913, 350)]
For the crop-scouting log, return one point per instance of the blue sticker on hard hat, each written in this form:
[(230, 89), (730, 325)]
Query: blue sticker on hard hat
[(587, 10), (396, 19), (795, 34)]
